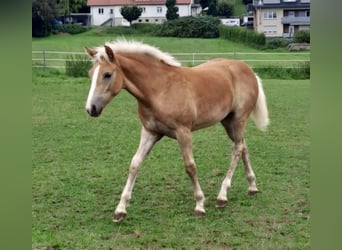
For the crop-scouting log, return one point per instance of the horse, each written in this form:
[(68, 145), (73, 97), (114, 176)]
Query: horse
[(173, 101)]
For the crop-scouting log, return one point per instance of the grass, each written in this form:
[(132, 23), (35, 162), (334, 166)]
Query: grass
[(97, 37), (80, 165)]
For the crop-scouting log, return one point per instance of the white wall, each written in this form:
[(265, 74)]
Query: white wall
[(150, 15)]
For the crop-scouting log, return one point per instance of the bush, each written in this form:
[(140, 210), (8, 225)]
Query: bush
[(134, 29), (242, 35), (77, 65), (302, 36), (145, 28), (70, 28), (301, 71), (196, 27), (275, 43)]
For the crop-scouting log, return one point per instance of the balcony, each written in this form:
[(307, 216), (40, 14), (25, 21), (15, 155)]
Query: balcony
[(295, 20)]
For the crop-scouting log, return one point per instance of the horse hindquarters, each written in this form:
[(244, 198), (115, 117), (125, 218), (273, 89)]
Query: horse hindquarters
[(234, 125)]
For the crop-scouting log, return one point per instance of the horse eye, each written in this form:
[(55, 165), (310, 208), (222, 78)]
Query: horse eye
[(107, 75)]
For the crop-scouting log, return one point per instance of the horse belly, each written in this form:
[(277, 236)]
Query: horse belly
[(211, 115)]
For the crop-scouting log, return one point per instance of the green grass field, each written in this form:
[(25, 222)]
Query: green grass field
[(80, 165), (97, 37)]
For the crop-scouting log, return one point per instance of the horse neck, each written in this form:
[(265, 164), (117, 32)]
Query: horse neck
[(138, 78)]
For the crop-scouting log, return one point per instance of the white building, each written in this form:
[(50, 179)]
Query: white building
[(107, 12)]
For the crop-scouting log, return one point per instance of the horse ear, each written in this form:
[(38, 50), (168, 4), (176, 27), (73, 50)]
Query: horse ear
[(110, 53), (90, 52)]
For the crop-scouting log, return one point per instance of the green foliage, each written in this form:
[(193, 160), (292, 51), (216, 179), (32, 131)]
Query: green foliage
[(243, 35), (77, 65), (225, 8), (131, 13), (145, 28), (199, 27), (75, 5), (204, 3), (43, 12), (302, 36), (276, 43), (134, 30), (70, 28), (172, 10), (301, 71), (212, 8)]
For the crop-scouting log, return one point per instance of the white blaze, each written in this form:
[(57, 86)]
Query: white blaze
[(92, 87)]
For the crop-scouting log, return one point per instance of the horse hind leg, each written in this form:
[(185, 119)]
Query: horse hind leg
[(235, 129), (252, 188)]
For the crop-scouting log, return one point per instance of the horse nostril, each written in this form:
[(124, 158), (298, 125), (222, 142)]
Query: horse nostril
[(93, 109)]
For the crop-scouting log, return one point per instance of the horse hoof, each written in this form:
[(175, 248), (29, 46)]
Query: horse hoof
[(221, 203), (199, 213), (253, 192), (119, 217)]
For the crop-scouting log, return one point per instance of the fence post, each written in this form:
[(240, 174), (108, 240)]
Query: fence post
[(44, 59)]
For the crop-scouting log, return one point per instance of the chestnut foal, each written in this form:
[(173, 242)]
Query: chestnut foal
[(173, 101)]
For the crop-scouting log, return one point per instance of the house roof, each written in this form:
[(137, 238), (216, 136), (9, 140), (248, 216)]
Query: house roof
[(271, 4), (132, 2)]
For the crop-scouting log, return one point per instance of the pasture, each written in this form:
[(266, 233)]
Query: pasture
[(80, 165), (187, 50)]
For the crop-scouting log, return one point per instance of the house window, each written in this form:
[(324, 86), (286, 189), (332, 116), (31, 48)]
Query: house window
[(111, 11), (159, 9), (143, 9), (270, 15), (100, 10), (270, 30)]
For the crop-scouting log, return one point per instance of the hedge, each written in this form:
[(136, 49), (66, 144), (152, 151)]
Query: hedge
[(195, 27), (243, 35)]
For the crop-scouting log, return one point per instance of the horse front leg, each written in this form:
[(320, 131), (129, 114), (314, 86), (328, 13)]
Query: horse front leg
[(147, 140), (184, 139), (222, 199)]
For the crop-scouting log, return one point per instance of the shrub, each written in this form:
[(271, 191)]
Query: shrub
[(242, 35), (196, 27), (70, 28), (275, 43), (225, 8), (77, 65), (300, 71), (302, 36), (145, 28), (134, 29)]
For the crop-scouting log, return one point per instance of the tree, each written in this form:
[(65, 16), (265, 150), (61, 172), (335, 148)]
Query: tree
[(131, 13), (71, 6), (247, 1), (225, 8), (43, 13), (212, 8), (172, 10), (204, 3)]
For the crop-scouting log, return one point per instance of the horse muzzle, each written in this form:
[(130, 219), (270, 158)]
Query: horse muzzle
[(94, 111)]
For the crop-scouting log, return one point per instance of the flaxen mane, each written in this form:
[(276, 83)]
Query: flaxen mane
[(131, 46)]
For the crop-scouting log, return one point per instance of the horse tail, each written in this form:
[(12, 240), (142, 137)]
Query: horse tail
[(260, 112)]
